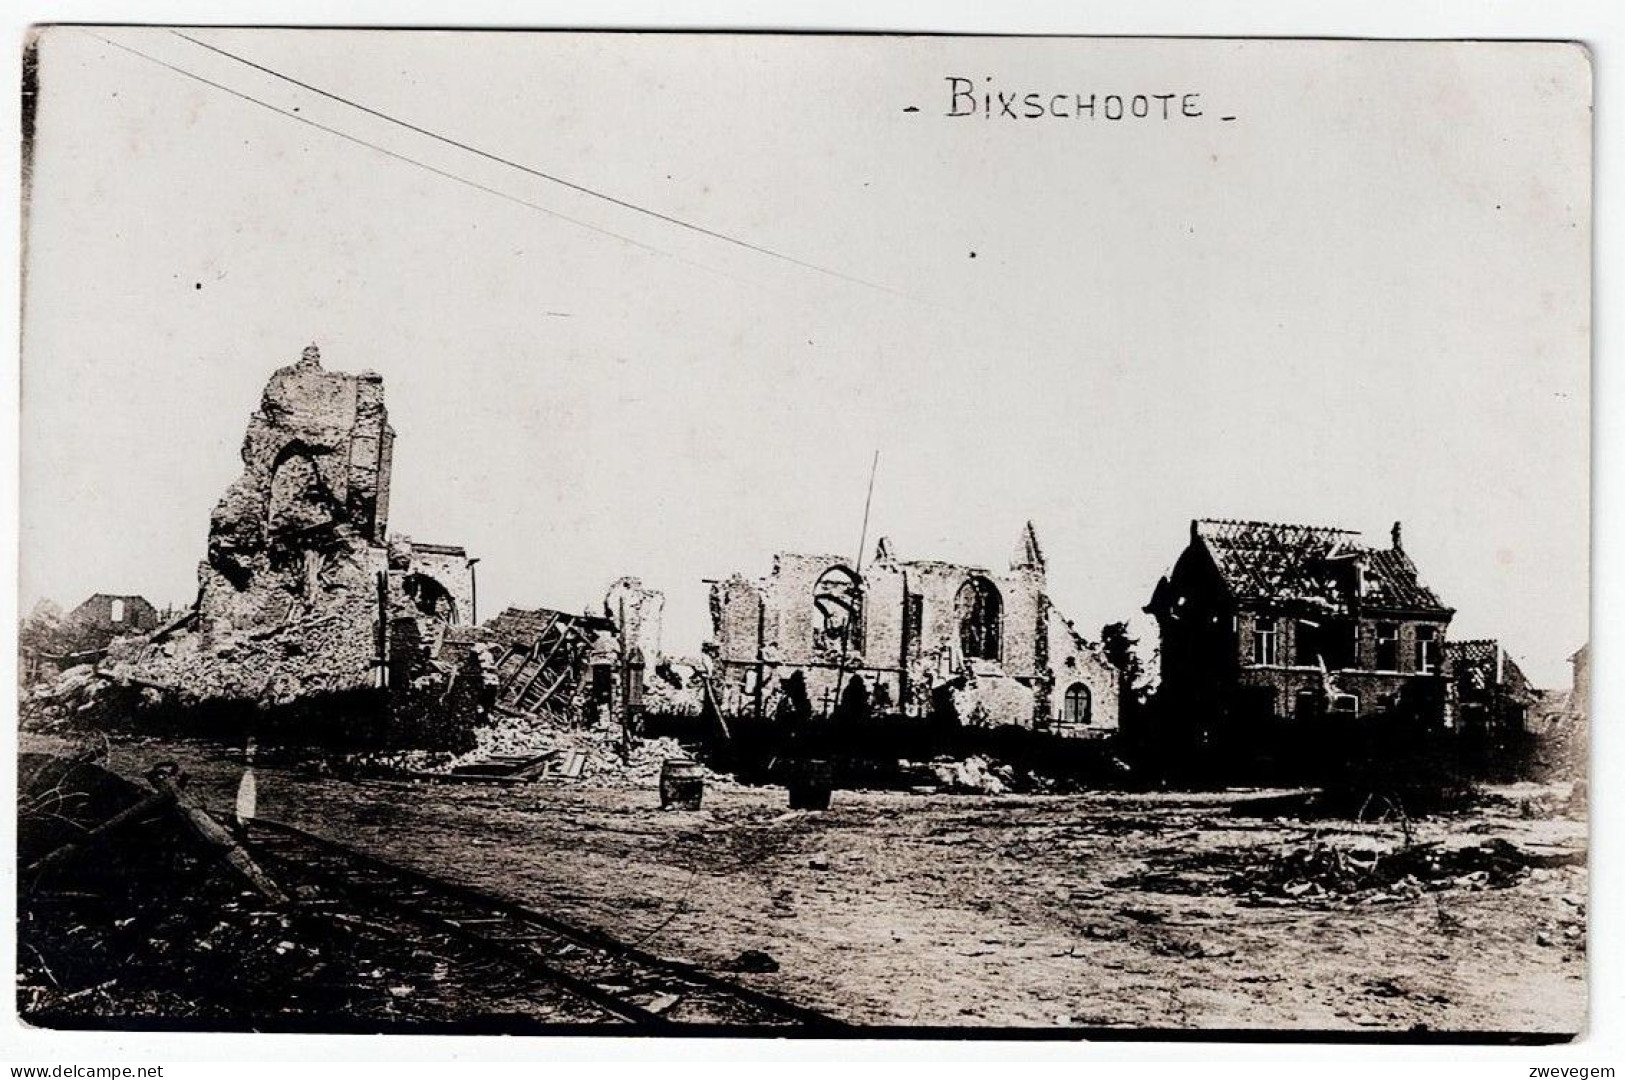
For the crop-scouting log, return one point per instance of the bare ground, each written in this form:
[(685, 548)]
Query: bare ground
[(896, 909)]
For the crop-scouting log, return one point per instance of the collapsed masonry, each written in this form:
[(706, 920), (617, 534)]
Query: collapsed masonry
[(50, 642), (561, 667), (302, 592)]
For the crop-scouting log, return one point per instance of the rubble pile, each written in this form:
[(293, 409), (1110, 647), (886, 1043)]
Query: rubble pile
[(1568, 927), (74, 693), (1326, 873), (974, 775), (676, 688), (307, 610), (600, 744), (981, 774), (1376, 876)]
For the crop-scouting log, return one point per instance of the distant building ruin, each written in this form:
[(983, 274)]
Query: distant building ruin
[(1492, 695), (51, 642), (924, 637), (1580, 692)]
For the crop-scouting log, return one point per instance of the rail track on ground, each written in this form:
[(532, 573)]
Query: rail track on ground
[(634, 990)]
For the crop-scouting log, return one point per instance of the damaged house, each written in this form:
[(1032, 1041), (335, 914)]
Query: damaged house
[(302, 591), (1297, 623), (1493, 696), (924, 638)]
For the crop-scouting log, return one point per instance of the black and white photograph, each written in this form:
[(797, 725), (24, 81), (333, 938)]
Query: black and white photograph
[(804, 536)]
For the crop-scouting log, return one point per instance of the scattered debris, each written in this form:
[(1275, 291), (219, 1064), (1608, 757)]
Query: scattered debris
[(753, 961), (974, 775), (183, 932), (1327, 873), (169, 780)]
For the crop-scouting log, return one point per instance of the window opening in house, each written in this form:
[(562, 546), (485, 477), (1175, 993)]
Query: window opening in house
[(1387, 646), (1427, 650), (1264, 652), (1307, 646)]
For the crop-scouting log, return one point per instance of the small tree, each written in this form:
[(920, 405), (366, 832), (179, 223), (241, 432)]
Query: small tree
[(854, 706), (794, 708), (1119, 649), (1120, 652)]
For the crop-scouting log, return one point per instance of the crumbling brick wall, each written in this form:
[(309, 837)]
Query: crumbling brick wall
[(637, 613), (297, 592), (437, 578)]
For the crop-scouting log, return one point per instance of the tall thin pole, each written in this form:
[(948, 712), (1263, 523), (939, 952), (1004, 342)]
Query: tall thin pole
[(863, 536), (863, 539)]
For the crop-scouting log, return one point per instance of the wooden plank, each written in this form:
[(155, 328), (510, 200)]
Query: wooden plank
[(541, 665), (538, 766), (548, 693)]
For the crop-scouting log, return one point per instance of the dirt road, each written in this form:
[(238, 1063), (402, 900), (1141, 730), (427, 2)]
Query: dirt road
[(895, 909)]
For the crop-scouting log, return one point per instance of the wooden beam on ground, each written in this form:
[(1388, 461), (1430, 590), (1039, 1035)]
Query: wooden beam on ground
[(215, 835)]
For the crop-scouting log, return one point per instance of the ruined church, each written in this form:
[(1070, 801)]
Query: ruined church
[(926, 638)]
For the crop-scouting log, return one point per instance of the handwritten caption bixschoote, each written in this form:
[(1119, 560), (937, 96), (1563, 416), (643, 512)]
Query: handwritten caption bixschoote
[(967, 98)]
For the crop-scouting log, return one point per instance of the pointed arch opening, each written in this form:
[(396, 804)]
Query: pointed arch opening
[(980, 611), (838, 610)]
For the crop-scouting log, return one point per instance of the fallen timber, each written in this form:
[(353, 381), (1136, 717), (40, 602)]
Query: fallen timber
[(169, 794)]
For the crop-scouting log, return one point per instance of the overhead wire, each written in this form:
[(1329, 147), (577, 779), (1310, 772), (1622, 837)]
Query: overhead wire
[(407, 159), (530, 170)]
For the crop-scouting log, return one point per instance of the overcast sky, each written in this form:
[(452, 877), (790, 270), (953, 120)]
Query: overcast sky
[(1365, 298)]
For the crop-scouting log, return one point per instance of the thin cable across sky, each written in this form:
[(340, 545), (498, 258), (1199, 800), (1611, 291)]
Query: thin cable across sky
[(380, 149), (468, 182), (529, 170)]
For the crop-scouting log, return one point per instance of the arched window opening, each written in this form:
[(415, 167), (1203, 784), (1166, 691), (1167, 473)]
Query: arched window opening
[(980, 610), (430, 597), (300, 499), (1077, 706), (838, 600)]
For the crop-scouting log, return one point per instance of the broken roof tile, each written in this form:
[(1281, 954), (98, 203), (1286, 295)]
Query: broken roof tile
[(1261, 560)]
